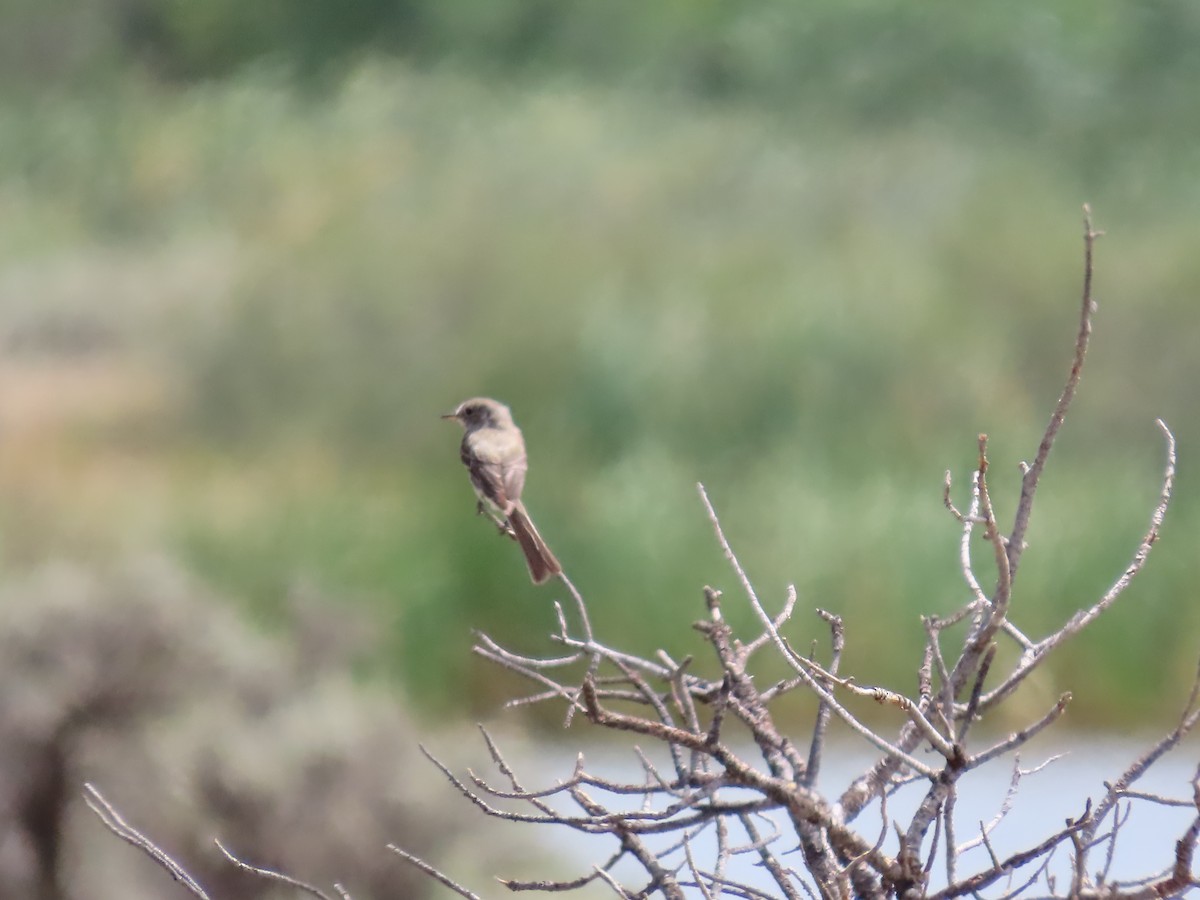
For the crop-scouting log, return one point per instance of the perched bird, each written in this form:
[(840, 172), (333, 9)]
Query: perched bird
[(494, 453)]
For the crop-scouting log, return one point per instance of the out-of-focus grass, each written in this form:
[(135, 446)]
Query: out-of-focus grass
[(813, 321)]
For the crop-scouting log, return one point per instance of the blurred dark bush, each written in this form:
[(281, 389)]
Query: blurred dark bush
[(195, 727)]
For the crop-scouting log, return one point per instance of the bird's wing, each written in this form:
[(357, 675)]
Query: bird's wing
[(513, 478), (496, 462), (488, 479)]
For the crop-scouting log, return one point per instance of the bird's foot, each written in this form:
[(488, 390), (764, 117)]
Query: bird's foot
[(502, 524)]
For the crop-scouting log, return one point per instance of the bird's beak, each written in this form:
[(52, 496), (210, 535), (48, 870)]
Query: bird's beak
[(452, 415)]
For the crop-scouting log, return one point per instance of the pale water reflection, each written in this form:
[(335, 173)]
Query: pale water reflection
[(1044, 800)]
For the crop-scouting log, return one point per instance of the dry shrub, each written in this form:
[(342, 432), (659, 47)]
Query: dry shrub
[(200, 727)]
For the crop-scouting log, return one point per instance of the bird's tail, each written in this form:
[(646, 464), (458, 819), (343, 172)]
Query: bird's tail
[(542, 563)]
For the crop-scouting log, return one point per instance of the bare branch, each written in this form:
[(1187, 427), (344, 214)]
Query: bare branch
[(1003, 592), (769, 862), (1038, 653), (1188, 721), (837, 643), (885, 697), (1005, 807), (115, 823), (1033, 474), (799, 663), (433, 872), (606, 877), (1018, 738), (785, 614), (691, 861), (1082, 620), (999, 869), (271, 875)]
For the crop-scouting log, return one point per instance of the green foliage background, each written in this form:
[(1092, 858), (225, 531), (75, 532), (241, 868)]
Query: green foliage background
[(803, 253)]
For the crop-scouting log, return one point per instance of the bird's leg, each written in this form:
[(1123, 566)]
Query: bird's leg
[(482, 508)]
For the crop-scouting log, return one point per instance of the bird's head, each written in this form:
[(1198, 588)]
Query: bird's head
[(480, 412)]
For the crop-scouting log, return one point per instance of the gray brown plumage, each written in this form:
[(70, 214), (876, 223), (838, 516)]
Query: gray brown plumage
[(493, 450)]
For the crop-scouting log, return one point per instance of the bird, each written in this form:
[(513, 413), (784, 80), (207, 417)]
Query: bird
[(493, 450)]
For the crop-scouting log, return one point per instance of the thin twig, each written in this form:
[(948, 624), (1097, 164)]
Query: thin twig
[(1039, 652), (116, 823), (1033, 474), (271, 874), (799, 663), (433, 872)]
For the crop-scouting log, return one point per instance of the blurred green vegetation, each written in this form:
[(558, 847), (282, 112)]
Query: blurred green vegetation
[(803, 255)]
